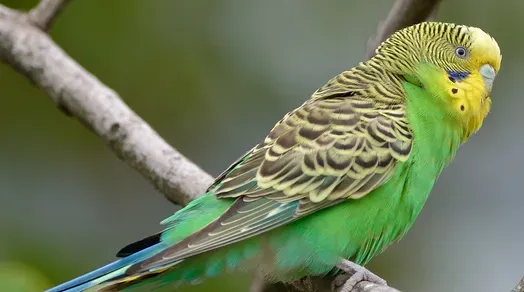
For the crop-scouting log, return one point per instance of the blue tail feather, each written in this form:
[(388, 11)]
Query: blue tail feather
[(90, 279)]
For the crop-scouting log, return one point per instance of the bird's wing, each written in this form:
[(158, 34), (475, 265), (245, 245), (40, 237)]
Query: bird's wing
[(340, 146)]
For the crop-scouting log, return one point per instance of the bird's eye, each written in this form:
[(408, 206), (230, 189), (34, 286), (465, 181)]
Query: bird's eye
[(461, 52)]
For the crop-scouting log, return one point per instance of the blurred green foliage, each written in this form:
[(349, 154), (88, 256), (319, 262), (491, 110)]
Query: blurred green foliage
[(21, 278), (212, 77)]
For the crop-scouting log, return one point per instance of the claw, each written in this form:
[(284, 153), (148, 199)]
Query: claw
[(357, 274)]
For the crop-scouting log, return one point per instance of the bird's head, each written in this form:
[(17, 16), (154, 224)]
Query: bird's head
[(455, 63)]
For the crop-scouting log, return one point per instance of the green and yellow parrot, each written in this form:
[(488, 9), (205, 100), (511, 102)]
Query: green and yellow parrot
[(336, 180)]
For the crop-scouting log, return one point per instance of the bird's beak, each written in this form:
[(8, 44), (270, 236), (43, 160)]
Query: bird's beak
[(488, 75)]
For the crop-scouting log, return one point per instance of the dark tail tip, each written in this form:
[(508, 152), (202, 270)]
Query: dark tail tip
[(139, 245)]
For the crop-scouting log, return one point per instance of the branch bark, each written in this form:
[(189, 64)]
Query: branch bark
[(80, 94), (323, 284), (28, 49)]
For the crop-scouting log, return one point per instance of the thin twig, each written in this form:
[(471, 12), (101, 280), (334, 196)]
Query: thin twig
[(45, 13), (519, 287), (403, 14)]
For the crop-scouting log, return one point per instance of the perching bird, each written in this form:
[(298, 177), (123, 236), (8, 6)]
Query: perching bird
[(336, 180)]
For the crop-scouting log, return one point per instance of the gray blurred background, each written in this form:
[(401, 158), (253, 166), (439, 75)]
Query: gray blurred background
[(212, 77)]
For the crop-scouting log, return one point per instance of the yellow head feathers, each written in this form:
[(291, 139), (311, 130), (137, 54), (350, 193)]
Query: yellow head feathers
[(455, 63), (483, 49)]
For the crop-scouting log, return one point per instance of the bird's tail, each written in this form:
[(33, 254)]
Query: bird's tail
[(111, 273)]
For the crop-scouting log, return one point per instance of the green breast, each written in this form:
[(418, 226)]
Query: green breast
[(396, 204)]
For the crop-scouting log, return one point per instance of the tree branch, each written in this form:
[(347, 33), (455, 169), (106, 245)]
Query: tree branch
[(28, 49), (519, 287), (32, 52), (324, 284)]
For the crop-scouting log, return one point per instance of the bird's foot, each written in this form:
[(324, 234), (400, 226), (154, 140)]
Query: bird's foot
[(355, 274)]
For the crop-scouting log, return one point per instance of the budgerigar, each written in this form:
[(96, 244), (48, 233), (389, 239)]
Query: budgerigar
[(336, 180)]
